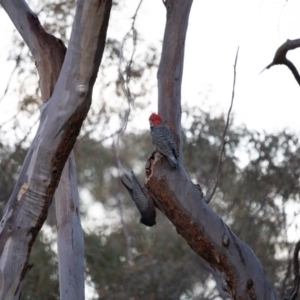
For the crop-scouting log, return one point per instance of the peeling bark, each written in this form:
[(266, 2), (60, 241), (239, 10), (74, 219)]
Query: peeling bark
[(60, 124), (241, 274)]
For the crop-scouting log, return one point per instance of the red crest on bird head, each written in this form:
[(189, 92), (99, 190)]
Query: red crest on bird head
[(155, 119)]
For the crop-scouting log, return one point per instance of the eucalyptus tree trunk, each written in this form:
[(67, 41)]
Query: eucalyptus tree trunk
[(241, 274), (70, 243), (66, 93)]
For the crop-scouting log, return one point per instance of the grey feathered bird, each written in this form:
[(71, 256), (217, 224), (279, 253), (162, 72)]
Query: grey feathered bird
[(145, 206), (163, 139)]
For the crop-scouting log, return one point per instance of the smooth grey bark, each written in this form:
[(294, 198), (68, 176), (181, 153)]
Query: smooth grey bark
[(60, 123), (169, 75), (70, 244), (241, 274), (48, 53)]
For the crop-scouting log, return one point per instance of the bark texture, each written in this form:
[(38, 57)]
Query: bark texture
[(61, 120), (47, 50), (241, 274), (49, 53), (169, 75), (70, 244)]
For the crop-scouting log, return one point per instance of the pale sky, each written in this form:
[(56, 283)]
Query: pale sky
[(268, 101)]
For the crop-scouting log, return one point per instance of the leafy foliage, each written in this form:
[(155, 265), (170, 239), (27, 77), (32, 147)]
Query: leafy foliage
[(251, 197)]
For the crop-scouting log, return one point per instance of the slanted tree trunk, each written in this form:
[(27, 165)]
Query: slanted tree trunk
[(49, 53), (61, 120), (241, 274)]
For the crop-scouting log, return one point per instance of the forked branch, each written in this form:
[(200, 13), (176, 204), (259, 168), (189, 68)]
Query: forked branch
[(61, 121), (280, 57), (219, 167)]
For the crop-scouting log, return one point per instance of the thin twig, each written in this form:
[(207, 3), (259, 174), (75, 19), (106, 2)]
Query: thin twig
[(9, 120), (9, 80), (126, 91), (219, 167), (126, 234), (124, 226), (125, 83), (86, 135), (280, 14)]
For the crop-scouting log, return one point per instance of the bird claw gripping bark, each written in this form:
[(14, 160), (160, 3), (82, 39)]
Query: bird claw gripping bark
[(143, 203), (163, 139)]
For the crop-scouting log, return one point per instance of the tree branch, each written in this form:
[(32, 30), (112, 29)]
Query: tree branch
[(125, 82), (181, 201), (242, 276), (169, 75), (280, 57), (219, 167), (60, 124), (125, 234)]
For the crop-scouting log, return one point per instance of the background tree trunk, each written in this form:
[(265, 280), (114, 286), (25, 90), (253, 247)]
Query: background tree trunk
[(242, 276), (61, 120), (70, 244)]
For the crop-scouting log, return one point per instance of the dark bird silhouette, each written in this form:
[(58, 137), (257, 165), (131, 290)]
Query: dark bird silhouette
[(143, 203)]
